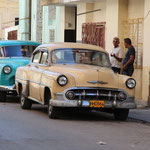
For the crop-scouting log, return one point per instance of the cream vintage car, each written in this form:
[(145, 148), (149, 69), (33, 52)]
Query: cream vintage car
[(71, 75)]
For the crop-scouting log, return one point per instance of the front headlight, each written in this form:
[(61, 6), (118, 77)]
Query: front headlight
[(62, 80), (7, 69), (131, 83)]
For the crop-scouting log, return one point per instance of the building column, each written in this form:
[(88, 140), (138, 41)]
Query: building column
[(60, 24), (24, 20), (34, 21), (53, 24), (45, 29), (80, 19), (116, 12), (146, 52)]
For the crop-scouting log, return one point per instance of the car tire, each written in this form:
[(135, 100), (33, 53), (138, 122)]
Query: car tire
[(121, 114), (53, 112), (2, 97), (25, 103)]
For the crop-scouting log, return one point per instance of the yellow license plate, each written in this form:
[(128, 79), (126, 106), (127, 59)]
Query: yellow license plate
[(98, 104)]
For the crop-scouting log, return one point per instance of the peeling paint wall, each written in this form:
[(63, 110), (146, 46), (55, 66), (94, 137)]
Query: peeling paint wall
[(9, 10)]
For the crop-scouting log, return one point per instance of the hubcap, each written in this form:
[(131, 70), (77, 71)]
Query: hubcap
[(50, 109), (22, 100)]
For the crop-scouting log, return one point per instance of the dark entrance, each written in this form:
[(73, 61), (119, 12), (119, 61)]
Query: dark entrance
[(70, 24), (70, 35)]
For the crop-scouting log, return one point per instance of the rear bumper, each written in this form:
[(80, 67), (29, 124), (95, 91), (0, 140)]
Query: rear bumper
[(8, 88), (128, 104)]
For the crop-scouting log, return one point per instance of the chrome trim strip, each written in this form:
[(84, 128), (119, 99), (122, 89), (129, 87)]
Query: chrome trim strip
[(100, 82), (36, 100), (94, 94), (33, 82), (95, 88), (20, 79), (9, 88)]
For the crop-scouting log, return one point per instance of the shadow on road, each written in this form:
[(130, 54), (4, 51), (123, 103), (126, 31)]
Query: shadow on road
[(81, 115), (12, 99), (72, 115)]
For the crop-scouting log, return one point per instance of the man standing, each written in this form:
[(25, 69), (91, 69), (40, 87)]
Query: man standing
[(128, 61), (116, 56)]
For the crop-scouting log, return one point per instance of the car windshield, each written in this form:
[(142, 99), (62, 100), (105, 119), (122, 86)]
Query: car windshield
[(16, 51), (80, 56)]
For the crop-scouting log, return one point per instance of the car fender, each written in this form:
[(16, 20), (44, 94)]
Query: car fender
[(21, 81)]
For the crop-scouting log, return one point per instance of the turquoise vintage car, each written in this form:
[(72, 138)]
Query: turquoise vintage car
[(13, 54)]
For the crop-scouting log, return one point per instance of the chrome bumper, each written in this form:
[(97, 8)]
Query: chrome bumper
[(7, 88), (60, 100), (128, 104)]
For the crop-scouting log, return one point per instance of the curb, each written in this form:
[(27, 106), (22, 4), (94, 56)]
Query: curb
[(141, 103)]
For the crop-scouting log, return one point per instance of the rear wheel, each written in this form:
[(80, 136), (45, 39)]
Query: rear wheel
[(2, 96), (25, 103), (121, 114)]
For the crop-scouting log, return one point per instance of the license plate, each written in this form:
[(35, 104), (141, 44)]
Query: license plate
[(98, 104)]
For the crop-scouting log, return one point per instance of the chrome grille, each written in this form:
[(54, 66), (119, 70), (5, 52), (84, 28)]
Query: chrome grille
[(95, 94)]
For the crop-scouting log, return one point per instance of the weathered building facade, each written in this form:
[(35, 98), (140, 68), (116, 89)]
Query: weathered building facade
[(9, 12), (86, 21)]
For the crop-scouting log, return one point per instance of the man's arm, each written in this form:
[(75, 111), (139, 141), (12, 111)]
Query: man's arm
[(119, 59), (129, 62)]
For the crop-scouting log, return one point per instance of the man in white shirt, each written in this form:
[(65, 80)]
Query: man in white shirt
[(116, 56)]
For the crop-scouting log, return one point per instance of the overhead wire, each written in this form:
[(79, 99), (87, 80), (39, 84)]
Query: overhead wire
[(147, 15)]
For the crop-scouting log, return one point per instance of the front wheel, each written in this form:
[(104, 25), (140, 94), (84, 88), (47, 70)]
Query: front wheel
[(2, 96), (121, 114), (25, 103), (53, 112)]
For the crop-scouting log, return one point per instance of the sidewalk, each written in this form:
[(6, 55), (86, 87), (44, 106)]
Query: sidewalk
[(140, 114)]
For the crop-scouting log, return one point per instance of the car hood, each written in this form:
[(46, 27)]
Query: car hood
[(14, 62), (88, 75)]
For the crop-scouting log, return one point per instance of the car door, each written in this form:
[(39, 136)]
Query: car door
[(43, 66), (35, 76)]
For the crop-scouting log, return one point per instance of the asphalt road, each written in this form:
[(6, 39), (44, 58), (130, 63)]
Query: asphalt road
[(33, 130)]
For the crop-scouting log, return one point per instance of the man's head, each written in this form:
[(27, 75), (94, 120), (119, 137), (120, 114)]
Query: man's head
[(127, 42), (116, 42)]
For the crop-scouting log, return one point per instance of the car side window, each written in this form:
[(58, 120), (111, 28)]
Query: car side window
[(1, 52), (27, 51), (36, 57), (44, 58)]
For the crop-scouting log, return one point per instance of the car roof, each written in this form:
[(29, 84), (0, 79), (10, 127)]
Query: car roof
[(52, 46), (17, 42)]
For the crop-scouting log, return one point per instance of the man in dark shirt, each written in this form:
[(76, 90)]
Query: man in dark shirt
[(128, 62)]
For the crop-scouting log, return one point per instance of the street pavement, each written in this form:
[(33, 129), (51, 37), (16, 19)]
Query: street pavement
[(33, 130), (140, 114)]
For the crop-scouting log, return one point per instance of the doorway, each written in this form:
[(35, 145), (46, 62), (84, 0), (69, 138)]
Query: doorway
[(70, 23)]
